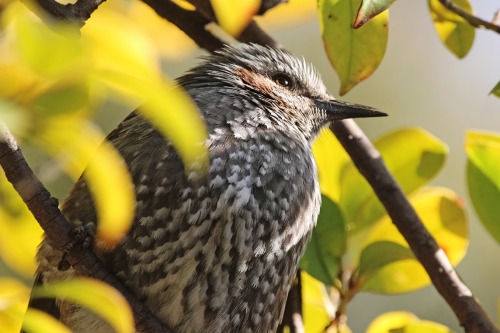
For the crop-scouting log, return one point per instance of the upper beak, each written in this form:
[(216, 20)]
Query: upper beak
[(337, 110)]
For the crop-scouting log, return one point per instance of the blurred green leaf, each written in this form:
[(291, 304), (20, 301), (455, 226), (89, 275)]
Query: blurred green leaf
[(370, 9), (404, 322), (483, 178), (453, 30), (378, 254), (443, 214), (413, 156), (496, 90), (63, 97), (20, 233), (80, 145), (354, 54), (327, 244), (95, 295), (330, 158), (36, 321)]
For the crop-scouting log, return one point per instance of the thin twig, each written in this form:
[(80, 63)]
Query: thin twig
[(444, 277), (473, 20), (45, 209)]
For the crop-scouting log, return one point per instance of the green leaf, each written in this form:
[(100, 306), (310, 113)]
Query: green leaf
[(413, 156), (453, 30), (496, 90), (63, 97), (327, 244), (379, 254), (443, 214), (483, 178), (355, 54), (369, 9), (95, 295)]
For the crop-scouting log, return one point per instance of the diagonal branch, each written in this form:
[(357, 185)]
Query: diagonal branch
[(45, 209), (444, 277), (473, 20)]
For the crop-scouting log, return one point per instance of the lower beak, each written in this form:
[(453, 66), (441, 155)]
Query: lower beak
[(337, 110)]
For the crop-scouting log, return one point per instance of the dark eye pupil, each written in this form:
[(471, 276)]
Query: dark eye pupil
[(282, 80)]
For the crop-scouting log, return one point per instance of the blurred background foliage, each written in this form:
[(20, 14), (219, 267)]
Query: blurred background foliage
[(60, 94)]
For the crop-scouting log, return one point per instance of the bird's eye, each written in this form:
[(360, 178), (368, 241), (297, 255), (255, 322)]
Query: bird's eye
[(282, 80)]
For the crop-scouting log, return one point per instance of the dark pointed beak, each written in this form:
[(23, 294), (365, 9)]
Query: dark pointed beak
[(337, 110)]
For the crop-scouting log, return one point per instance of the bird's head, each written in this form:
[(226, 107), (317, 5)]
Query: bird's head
[(288, 89)]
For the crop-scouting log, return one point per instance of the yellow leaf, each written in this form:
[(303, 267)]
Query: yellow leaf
[(14, 298), (330, 158), (20, 234), (234, 15), (453, 30), (404, 322), (36, 321), (95, 295), (316, 304), (77, 144), (354, 54), (443, 214)]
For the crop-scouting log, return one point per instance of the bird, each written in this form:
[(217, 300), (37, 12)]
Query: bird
[(217, 252)]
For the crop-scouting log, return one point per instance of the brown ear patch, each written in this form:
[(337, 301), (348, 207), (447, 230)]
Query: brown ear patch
[(255, 80)]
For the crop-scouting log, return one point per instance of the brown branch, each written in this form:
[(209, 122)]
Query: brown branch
[(251, 34), (45, 209), (444, 277), (473, 20), (192, 23), (79, 12)]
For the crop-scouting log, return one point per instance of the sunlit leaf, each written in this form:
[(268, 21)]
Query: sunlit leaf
[(233, 16), (330, 158), (378, 254), (496, 90), (75, 143), (355, 54), (453, 30), (317, 308), (443, 214), (370, 9), (14, 298), (20, 234), (404, 322), (413, 156), (327, 244), (49, 52), (483, 178), (95, 295), (169, 40), (36, 321)]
